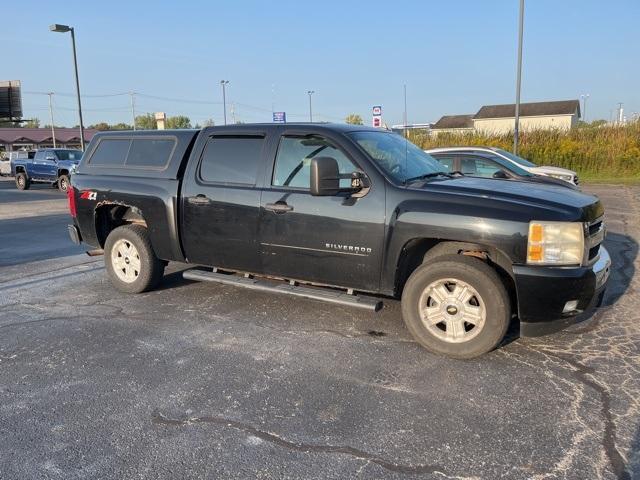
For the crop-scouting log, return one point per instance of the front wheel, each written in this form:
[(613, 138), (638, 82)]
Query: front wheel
[(63, 183), (130, 261), (22, 181), (456, 306)]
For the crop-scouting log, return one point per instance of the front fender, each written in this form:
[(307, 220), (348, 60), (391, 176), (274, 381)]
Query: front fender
[(413, 220)]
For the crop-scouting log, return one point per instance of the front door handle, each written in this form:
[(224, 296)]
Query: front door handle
[(278, 207), (199, 199)]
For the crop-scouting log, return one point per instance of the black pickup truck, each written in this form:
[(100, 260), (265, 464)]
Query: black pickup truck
[(332, 212)]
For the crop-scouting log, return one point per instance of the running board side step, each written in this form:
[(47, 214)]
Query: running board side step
[(325, 295)]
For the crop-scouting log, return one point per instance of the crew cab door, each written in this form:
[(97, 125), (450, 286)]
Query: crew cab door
[(42, 164), (333, 240), (221, 201)]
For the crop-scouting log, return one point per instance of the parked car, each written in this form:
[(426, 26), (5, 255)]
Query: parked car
[(50, 165), (7, 157), (481, 164), (516, 161), (343, 210)]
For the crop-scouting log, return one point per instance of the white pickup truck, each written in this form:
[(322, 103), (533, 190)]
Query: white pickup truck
[(7, 157)]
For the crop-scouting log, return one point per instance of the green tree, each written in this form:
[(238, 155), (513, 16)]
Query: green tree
[(179, 121), (208, 123), (33, 123), (100, 126), (354, 119), (146, 122)]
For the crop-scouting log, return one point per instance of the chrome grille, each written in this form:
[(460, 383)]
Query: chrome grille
[(595, 237)]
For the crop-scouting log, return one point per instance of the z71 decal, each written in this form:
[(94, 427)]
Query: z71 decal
[(88, 195)]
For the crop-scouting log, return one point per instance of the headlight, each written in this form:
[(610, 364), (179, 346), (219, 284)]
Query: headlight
[(566, 178), (555, 243)]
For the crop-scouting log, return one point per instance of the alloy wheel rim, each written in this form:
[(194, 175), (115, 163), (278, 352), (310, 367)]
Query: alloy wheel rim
[(125, 260), (452, 310)]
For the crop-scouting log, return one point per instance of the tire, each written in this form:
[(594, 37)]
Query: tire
[(22, 181), (132, 270), (63, 183), (474, 306)]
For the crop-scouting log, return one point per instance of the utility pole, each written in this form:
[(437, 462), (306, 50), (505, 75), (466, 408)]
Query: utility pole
[(516, 130), (133, 109), (53, 131), (584, 107), (224, 83), (233, 113), (310, 92), (404, 120)]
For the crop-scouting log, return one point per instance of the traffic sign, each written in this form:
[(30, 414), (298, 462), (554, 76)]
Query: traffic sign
[(280, 117)]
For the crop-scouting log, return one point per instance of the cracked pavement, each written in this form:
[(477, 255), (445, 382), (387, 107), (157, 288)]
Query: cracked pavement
[(210, 381)]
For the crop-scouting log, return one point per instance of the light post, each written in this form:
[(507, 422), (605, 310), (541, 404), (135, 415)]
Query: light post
[(224, 83), (584, 107), (63, 29), (53, 131), (516, 129), (310, 92)]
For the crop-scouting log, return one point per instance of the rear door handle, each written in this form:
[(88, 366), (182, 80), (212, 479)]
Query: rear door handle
[(199, 199), (278, 207)]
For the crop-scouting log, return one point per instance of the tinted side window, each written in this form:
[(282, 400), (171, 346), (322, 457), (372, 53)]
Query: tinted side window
[(231, 160), (447, 162), (111, 152), (480, 167), (293, 162), (153, 153), (39, 155)]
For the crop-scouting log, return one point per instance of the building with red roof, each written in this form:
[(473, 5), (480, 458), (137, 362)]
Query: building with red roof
[(12, 139)]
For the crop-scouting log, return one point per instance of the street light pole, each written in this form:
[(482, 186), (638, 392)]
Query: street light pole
[(310, 92), (63, 29), (516, 130), (224, 83), (53, 131), (584, 107), (406, 134), (133, 109)]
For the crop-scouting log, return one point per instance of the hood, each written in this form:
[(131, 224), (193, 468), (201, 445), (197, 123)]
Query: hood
[(559, 201), (552, 170)]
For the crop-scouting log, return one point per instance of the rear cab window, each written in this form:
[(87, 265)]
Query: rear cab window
[(136, 152), (232, 160)]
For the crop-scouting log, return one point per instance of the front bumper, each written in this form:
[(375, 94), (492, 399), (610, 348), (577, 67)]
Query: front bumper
[(543, 292)]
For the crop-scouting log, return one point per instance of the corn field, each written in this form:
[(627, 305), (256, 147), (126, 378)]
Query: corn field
[(605, 152)]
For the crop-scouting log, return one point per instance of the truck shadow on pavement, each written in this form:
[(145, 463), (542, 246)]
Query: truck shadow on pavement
[(623, 250)]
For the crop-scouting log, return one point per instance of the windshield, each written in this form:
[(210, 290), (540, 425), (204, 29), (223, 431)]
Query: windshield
[(396, 156), (511, 167), (69, 154), (515, 158)]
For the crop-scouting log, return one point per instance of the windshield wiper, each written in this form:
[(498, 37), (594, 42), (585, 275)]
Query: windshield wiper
[(429, 175)]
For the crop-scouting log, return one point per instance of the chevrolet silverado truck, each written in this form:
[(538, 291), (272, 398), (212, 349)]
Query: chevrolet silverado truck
[(49, 165), (343, 214)]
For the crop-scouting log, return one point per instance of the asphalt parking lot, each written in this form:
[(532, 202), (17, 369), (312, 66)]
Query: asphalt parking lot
[(211, 381)]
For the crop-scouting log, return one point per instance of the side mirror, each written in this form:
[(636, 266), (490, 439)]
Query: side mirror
[(325, 177), (501, 174)]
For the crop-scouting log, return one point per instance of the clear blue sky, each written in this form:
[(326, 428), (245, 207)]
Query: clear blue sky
[(453, 56)]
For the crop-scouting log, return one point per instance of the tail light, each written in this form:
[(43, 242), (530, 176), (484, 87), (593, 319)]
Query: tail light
[(71, 195)]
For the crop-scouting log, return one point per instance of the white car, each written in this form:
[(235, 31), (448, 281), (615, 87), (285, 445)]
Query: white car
[(555, 172)]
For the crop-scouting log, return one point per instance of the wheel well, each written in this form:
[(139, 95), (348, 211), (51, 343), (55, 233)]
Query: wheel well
[(63, 172), (422, 250), (20, 169), (111, 216)]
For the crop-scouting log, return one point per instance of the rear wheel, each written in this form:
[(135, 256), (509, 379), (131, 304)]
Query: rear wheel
[(130, 261), (63, 183), (22, 181), (456, 306)]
